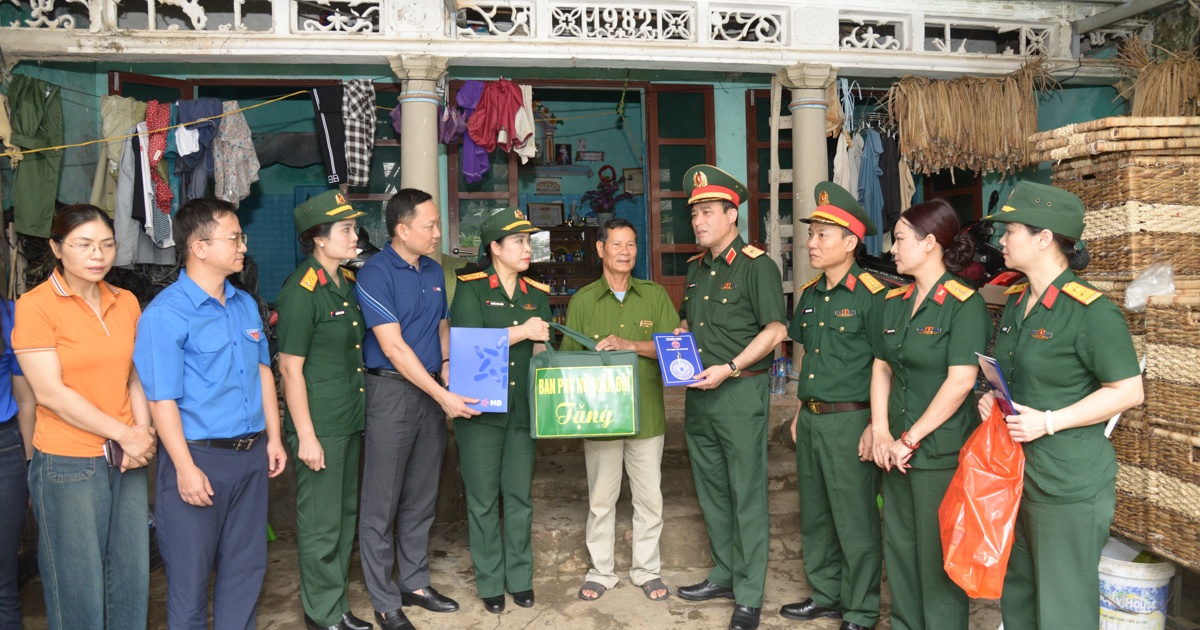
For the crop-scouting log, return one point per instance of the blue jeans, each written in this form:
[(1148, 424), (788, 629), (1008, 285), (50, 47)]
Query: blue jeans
[(13, 497), (93, 542)]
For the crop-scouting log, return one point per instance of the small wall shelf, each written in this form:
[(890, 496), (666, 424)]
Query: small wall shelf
[(563, 169)]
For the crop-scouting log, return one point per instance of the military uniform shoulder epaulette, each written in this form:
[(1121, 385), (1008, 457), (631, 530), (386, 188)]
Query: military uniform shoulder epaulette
[(1016, 288), (752, 251), (478, 275), (696, 257), (873, 285), (544, 288), (897, 291), (310, 280), (809, 283), (349, 275), (958, 290), (1085, 295)]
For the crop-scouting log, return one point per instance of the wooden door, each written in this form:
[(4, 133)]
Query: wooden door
[(679, 135)]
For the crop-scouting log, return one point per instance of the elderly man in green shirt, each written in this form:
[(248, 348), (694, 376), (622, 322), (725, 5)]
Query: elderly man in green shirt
[(621, 312)]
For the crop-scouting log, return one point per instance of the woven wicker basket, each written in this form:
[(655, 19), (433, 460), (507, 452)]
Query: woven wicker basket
[(1158, 488), (1116, 178)]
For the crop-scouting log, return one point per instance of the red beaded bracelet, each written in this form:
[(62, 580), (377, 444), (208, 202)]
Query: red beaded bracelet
[(909, 445)]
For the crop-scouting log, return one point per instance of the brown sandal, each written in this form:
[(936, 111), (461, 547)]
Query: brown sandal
[(655, 585)]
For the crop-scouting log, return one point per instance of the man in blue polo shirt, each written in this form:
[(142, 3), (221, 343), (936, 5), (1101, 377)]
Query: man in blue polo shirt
[(202, 358), (403, 297)]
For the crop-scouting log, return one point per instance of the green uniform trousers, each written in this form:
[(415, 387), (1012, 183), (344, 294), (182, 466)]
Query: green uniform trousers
[(839, 516), (497, 467), (1052, 579), (326, 512), (726, 431), (923, 596)]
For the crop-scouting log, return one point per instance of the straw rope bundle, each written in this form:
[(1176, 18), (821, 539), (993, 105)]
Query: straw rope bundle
[(972, 123), (1169, 87)]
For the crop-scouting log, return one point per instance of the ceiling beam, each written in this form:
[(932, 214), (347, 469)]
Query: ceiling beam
[(1116, 14)]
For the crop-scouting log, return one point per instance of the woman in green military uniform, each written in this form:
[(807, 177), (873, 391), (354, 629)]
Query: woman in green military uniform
[(495, 449), (320, 358), (1069, 360), (921, 409)]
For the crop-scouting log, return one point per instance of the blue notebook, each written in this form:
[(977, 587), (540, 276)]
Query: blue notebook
[(995, 378), (678, 359), (479, 367)]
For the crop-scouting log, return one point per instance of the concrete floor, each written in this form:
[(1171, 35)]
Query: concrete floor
[(557, 603)]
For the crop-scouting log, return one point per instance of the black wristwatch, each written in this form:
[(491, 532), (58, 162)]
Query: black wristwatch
[(736, 372)]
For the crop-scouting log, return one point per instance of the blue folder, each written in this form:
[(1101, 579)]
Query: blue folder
[(678, 359), (479, 367)]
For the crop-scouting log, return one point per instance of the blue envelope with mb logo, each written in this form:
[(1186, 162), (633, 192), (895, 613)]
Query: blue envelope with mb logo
[(479, 367)]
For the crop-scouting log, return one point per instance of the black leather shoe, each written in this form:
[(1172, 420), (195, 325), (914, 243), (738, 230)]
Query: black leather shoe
[(705, 591), (432, 601), (494, 604), (354, 623), (313, 625), (744, 618), (808, 609), (846, 625), (524, 599), (393, 620)]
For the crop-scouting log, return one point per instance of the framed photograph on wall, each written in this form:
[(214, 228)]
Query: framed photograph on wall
[(545, 214), (634, 182)]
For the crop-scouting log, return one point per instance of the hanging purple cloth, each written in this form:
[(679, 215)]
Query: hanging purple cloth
[(475, 160), (451, 124)]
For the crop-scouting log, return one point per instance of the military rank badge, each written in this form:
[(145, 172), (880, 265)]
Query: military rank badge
[(529, 307), (728, 286), (1041, 333), (846, 312), (928, 330)]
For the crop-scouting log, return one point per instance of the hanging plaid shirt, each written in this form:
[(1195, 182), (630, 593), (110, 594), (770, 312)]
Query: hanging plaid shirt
[(358, 114)]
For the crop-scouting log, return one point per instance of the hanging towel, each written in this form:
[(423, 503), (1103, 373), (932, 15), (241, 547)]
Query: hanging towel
[(358, 116), (474, 157), (523, 141), (841, 163), (37, 123), (331, 131), (235, 163)]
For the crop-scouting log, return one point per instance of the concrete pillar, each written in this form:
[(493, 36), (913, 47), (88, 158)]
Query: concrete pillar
[(810, 163), (419, 122)]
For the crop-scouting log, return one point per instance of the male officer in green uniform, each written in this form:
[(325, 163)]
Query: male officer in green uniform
[(495, 449), (836, 320), (733, 304), (1066, 352), (320, 356)]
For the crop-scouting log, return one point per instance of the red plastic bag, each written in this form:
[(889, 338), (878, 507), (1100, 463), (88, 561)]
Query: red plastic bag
[(980, 508)]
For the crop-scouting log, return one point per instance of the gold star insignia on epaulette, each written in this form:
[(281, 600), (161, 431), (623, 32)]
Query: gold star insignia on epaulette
[(958, 290), (310, 280), (752, 251), (809, 284), (349, 275), (897, 291), (1081, 293), (1016, 288), (869, 281), (544, 288), (478, 275)]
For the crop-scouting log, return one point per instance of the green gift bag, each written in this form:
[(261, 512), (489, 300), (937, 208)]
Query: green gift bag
[(583, 394)]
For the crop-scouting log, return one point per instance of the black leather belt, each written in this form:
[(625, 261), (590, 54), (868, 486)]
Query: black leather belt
[(437, 376), (817, 407), (234, 444)]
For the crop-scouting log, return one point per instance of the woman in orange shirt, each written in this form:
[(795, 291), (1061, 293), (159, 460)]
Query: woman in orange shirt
[(73, 339)]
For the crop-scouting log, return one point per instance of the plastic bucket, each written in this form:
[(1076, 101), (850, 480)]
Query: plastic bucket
[(1133, 595)]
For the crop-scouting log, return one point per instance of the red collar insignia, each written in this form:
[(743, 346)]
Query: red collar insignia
[(321, 277), (1051, 295), (912, 287), (524, 289), (939, 296), (850, 281), (730, 255), (493, 281)]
